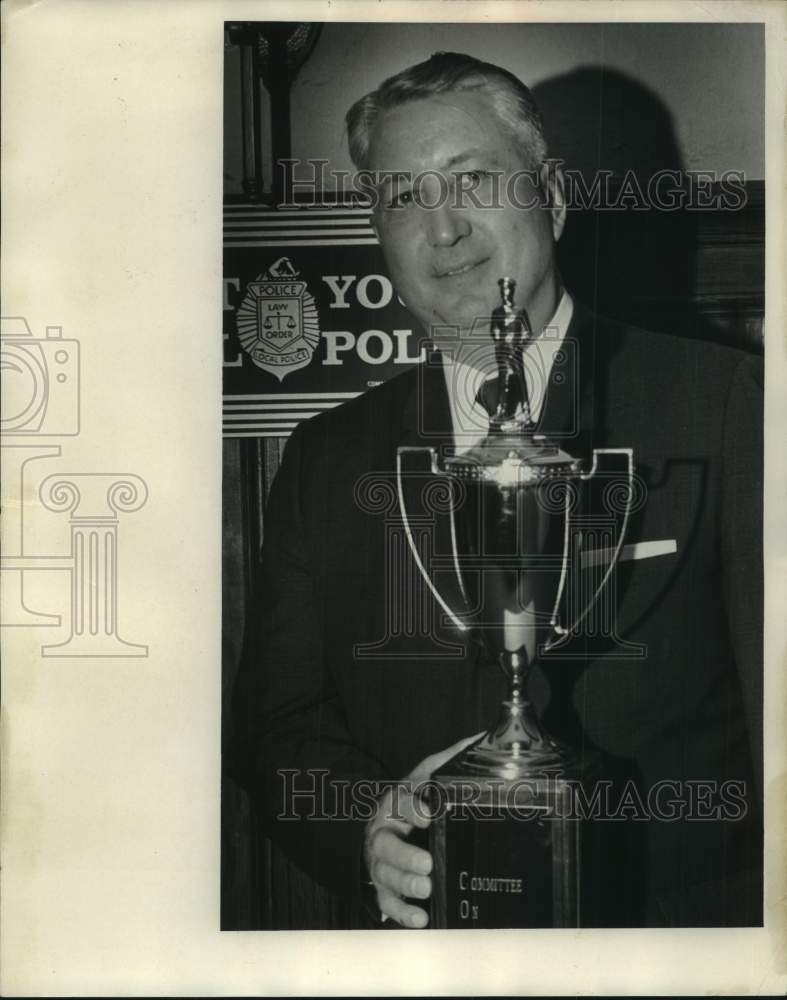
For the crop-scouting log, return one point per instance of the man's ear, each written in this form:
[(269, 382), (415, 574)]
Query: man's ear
[(554, 187), (374, 217)]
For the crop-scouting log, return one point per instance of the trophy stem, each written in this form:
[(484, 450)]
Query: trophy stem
[(518, 744)]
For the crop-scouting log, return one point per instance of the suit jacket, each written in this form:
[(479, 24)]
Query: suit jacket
[(350, 673)]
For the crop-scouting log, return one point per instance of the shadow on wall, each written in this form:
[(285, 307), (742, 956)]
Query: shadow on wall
[(637, 265)]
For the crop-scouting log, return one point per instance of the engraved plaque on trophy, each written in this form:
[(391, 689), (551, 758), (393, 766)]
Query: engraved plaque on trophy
[(505, 838)]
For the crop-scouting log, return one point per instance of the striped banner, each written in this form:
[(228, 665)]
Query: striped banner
[(247, 225), (332, 239), (275, 414)]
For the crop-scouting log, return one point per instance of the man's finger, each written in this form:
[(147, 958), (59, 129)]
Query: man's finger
[(424, 770), (405, 809), (395, 908), (401, 883), (387, 847)]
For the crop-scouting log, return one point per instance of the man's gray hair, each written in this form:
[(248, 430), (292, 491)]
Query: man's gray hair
[(441, 73)]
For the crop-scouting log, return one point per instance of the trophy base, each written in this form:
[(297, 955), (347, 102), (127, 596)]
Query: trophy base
[(487, 759), (505, 840), (518, 746)]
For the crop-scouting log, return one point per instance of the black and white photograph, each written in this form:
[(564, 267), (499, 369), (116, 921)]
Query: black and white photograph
[(493, 374), (393, 560)]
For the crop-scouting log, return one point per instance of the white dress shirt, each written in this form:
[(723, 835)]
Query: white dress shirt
[(469, 419)]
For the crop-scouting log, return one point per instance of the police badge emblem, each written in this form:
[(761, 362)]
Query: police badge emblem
[(277, 321)]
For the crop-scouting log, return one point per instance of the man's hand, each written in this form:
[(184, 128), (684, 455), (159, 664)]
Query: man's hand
[(395, 867)]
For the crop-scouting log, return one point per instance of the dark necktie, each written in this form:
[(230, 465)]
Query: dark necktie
[(487, 394), (513, 401)]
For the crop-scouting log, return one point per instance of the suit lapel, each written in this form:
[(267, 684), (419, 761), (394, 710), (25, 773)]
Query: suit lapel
[(426, 414), (569, 410), (426, 426)]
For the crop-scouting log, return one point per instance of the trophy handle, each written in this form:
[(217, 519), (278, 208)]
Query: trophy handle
[(407, 449), (560, 632)]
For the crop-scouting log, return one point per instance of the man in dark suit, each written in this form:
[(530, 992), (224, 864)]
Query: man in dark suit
[(335, 690)]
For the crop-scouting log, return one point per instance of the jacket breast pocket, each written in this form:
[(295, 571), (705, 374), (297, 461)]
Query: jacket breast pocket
[(642, 585)]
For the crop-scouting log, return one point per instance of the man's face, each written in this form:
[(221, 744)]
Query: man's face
[(445, 261)]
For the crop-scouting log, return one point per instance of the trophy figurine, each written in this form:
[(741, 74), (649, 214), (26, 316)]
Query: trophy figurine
[(505, 837)]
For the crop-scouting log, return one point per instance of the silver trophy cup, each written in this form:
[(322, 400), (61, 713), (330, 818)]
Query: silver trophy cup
[(510, 529)]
